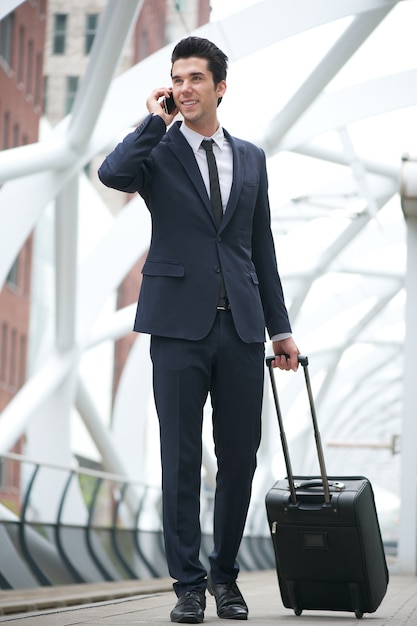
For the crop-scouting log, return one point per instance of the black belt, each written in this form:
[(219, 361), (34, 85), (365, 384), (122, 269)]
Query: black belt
[(223, 304)]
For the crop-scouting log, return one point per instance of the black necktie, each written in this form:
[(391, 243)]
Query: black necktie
[(215, 194), (216, 201)]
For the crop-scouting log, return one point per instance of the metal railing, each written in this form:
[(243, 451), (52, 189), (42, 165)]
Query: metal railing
[(76, 525)]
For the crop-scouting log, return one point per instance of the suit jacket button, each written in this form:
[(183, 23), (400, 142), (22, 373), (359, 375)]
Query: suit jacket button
[(219, 239), (217, 269)]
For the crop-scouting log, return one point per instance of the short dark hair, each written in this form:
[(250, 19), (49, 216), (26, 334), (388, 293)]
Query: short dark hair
[(205, 49)]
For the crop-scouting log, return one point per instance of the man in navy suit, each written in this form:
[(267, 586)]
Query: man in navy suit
[(209, 290)]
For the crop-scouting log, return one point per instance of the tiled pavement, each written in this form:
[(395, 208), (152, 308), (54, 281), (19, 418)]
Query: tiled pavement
[(150, 602)]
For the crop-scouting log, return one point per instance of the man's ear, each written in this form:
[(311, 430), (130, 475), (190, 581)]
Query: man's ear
[(221, 89)]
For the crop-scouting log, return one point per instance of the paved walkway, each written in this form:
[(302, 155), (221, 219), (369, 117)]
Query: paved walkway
[(399, 607)]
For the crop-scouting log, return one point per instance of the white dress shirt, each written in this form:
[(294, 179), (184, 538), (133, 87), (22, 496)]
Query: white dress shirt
[(224, 159)]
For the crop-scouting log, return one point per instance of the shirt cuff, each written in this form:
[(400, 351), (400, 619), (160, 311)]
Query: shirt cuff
[(281, 336)]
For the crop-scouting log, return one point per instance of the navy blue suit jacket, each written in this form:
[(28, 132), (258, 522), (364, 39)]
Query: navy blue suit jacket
[(181, 277)]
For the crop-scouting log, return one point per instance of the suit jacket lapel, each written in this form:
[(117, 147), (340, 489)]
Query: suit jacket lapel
[(239, 160), (182, 150)]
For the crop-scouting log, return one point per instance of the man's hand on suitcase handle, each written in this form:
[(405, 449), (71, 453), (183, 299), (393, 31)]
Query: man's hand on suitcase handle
[(302, 360), (286, 354)]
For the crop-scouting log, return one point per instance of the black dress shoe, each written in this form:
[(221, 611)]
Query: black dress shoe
[(229, 600), (190, 607)]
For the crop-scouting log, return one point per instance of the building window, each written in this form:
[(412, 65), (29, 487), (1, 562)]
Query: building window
[(38, 79), (29, 69), (3, 473), (21, 54), (45, 95), (22, 361), (6, 131), (42, 9), (25, 258), (91, 25), (3, 355), (13, 358), (6, 34), (143, 45), (60, 33), (16, 135), (161, 29), (72, 86)]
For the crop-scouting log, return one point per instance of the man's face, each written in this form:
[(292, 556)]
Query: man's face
[(194, 91)]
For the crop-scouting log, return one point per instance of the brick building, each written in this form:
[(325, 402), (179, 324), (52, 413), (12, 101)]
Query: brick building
[(22, 43)]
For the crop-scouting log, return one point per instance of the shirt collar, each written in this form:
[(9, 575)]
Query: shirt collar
[(195, 139)]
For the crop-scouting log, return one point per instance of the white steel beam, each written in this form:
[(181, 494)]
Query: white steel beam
[(43, 187), (335, 59), (329, 255), (358, 171), (7, 6), (346, 106), (52, 154), (94, 423), (114, 29), (60, 151), (33, 395), (372, 166), (238, 35), (132, 226)]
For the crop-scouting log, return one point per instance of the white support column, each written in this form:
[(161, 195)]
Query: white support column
[(407, 549), (66, 246), (48, 432)]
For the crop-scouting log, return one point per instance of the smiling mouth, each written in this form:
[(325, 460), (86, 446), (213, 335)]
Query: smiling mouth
[(189, 103)]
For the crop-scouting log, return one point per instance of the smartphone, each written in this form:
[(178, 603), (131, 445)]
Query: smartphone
[(169, 104)]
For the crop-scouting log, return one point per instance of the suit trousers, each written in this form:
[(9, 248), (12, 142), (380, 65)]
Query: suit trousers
[(184, 373)]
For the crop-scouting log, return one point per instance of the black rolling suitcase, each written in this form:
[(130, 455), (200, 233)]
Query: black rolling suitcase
[(326, 536)]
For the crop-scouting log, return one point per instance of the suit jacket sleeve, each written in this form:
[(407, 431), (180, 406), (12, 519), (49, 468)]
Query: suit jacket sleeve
[(264, 258), (127, 167)]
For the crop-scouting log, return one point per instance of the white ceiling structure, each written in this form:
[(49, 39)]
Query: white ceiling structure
[(329, 90)]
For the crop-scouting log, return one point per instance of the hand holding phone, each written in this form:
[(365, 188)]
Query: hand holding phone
[(169, 104)]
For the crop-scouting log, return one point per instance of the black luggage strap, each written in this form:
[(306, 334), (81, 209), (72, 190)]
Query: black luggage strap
[(303, 360)]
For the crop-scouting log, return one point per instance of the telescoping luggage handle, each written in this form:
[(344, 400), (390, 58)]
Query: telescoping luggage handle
[(303, 360)]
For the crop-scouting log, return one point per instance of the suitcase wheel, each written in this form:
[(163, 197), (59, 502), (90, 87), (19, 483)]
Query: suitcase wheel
[(358, 613), (298, 611)]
